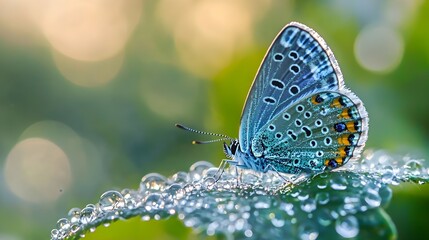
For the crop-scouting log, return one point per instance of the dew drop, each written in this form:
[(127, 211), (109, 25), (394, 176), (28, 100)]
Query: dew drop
[(63, 224), (324, 217), (347, 227), (152, 182), (322, 184), (180, 178), (385, 193), (131, 198), (54, 233), (387, 175), (308, 232), (278, 222), (111, 201), (338, 183), (322, 198), (87, 215), (74, 215), (74, 228), (197, 169), (372, 198), (153, 202), (248, 233), (308, 205), (413, 168)]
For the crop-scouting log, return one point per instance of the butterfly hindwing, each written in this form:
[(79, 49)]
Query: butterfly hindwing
[(298, 64), (322, 129)]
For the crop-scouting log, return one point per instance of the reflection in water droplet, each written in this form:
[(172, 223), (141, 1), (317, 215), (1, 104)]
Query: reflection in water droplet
[(180, 178), (323, 183), (153, 202), (87, 215), (111, 200), (347, 227), (338, 183), (152, 182), (197, 169)]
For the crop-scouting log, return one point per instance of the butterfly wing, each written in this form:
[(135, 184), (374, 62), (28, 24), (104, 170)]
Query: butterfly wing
[(323, 130), (298, 64)]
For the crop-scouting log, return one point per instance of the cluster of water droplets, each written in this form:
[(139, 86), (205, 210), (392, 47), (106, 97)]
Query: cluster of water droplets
[(245, 204)]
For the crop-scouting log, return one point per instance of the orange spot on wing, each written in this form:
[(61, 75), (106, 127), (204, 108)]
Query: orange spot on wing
[(326, 163), (342, 152), (313, 100), (351, 126), (344, 114), (344, 140), (339, 160)]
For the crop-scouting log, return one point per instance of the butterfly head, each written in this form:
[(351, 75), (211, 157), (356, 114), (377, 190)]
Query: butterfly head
[(231, 149)]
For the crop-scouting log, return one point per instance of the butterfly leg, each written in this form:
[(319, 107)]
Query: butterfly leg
[(272, 168), (222, 167)]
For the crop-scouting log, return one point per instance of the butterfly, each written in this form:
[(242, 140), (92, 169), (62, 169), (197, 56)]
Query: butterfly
[(298, 116)]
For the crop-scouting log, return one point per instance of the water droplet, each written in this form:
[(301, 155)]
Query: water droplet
[(338, 183), (324, 217), (180, 178), (347, 227), (248, 233), (75, 227), (278, 222), (322, 183), (153, 202), (308, 205), (413, 167), (152, 182), (288, 208), (387, 175), (308, 231), (322, 198), (111, 200), (63, 224), (261, 202), (385, 192), (303, 196), (74, 215), (212, 172), (87, 215), (54, 233), (197, 169), (209, 183), (372, 198), (132, 198)]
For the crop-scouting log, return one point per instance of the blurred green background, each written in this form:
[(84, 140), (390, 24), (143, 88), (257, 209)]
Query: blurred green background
[(90, 92)]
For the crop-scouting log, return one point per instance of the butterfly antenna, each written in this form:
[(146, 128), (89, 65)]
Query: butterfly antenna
[(223, 137)]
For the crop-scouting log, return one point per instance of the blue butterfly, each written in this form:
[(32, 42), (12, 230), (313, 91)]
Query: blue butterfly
[(298, 116)]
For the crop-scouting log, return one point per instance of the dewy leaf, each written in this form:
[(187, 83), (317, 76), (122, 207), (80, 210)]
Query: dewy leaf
[(242, 204)]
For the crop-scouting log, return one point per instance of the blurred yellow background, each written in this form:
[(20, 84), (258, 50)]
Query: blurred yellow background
[(90, 91)]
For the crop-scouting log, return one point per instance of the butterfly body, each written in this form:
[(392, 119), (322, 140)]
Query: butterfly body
[(298, 116)]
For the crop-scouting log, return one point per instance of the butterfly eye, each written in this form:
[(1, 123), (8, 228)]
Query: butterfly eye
[(234, 147)]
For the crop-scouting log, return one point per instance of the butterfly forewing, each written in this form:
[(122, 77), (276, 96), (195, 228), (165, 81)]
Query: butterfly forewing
[(298, 64)]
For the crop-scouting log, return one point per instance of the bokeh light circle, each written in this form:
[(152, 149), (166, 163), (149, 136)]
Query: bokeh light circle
[(37, 170), (379, 48), (90, 30), (88, 74)]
